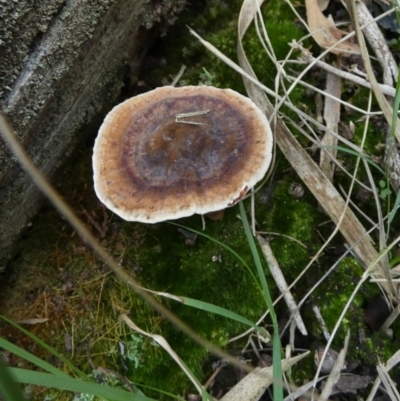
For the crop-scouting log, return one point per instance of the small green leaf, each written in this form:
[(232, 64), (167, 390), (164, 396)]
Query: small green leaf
[(394, 210), (385, 193)]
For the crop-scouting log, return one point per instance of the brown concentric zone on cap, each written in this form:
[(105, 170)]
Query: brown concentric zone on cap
[(151, 166)]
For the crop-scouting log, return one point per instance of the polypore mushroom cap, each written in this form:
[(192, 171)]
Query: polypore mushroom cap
[(173, 152)]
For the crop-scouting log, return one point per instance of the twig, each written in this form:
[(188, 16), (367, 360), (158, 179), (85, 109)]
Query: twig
[(321, 322), (378, 44), (179, 75), (179, 116), (307, 57), (280, 281), (214, 375)]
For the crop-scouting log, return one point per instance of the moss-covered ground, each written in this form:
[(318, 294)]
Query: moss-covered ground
[(58, 278)]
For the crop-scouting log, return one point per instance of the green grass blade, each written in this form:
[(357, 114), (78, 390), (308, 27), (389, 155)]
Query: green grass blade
[(173, 396), (14, 349), (276, 354), (229, 249), (354, 153), (394, 210), (75, 385), (396, 106), (205, 396), (277, 366), (48, 348), (222, 312), (395, 261), (257, 261), (8, 385)]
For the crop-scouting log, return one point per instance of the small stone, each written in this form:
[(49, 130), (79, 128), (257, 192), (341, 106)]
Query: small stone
[(296, 190)]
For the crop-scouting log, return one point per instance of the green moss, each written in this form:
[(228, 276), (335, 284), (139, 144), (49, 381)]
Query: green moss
[(293, 218), (91, 300), (374, 138), (281, 31), (333, 294), (86, 301), (205, 271), (378, 348)]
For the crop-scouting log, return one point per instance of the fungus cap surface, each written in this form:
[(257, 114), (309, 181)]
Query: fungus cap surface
[(173, 152)]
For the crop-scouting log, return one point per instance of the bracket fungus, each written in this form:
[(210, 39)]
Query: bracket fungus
[(173, 152)]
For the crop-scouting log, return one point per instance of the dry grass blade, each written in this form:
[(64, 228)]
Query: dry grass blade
[(391, 319), (307, 57), (254, 80), (378, 44), (356, 208), (391, 363), (383, 103), (312, 176), (164, 344), (32, 321), (281, 283), (354, 9), (252, 386), (178, 76), (325, 33), (303, 390), (381, 227), (389, 384), (335, 374)]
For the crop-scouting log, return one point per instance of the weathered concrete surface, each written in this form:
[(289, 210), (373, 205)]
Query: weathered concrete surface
[(61, 63)]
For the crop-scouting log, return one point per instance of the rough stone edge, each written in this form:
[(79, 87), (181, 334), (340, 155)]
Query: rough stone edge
[(93, 79)]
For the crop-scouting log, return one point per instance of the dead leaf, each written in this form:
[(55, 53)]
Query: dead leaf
[(252, 386), (32, 321), (323, 4), (325, 33)]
